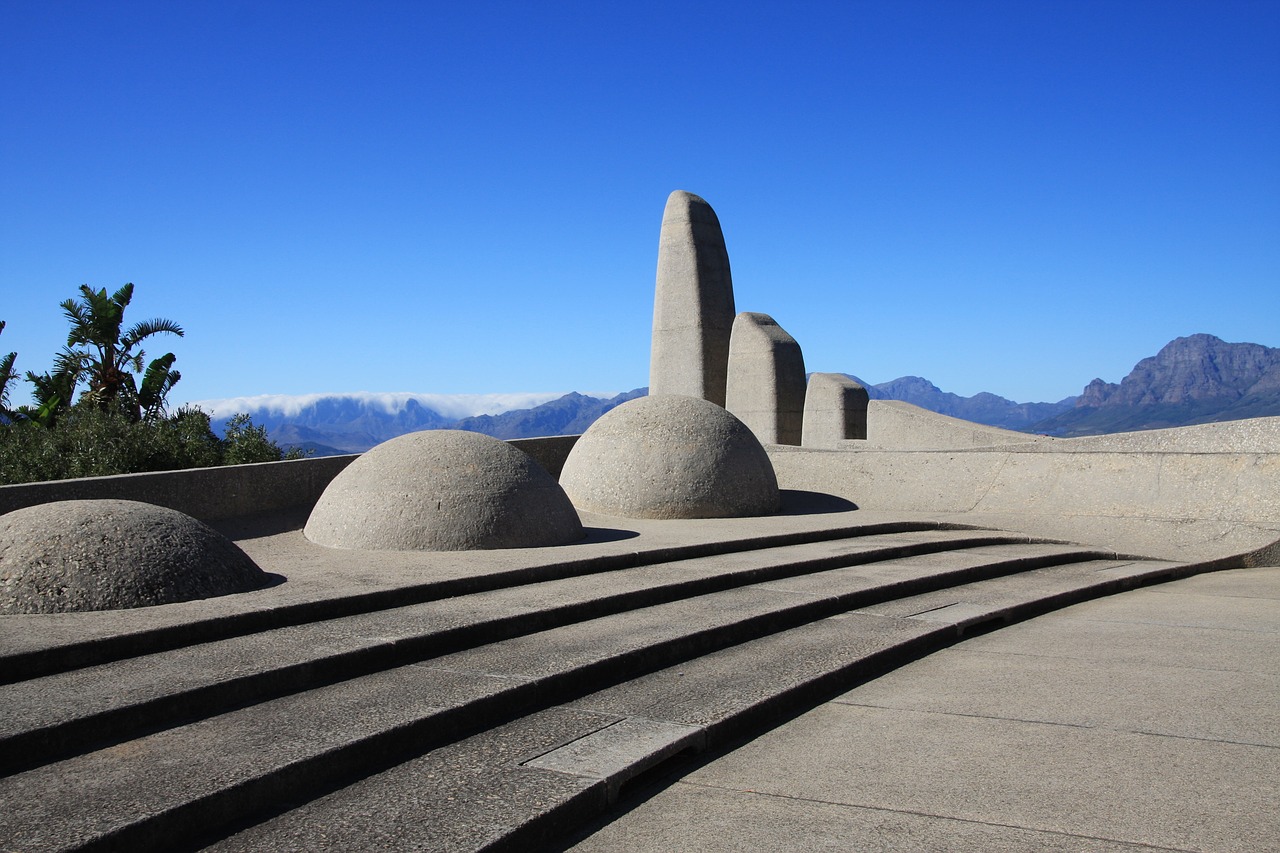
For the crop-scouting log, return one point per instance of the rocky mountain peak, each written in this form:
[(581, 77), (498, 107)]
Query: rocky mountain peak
[(1096, 393), (1192, 369)]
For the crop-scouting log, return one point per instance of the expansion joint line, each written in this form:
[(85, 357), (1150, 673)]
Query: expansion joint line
[(924, 814)]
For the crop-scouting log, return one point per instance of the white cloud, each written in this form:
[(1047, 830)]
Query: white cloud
[(449, 405)]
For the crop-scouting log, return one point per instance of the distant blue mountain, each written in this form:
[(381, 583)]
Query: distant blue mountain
[(983, 407), (353, 423), (1192, 380), (333, 424), (569, 415), (342, 424)]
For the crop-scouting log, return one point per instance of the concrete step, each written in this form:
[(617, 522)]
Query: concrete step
[(58, 715), (185, 779), (521, 784), (83, 647)]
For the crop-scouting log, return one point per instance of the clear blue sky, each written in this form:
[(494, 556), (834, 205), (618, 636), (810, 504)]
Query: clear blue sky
[(1013, 197)]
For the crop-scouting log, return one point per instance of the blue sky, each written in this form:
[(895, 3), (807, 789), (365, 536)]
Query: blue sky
[(447, 198)]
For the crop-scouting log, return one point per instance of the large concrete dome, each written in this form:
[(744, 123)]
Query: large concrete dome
[(443, 490), (668, 456), (78, 555)]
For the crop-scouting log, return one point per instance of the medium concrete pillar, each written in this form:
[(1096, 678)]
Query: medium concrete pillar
[(693, 303), (835, 408), (765, 387)]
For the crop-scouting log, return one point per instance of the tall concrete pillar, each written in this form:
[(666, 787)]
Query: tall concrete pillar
[(835, 408), (693, 303), (765, 387)]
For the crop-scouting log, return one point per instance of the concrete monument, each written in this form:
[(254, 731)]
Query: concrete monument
[(693, 303), (443, 490), (835, 408), (78, 555), (669, 456), (766, 387)]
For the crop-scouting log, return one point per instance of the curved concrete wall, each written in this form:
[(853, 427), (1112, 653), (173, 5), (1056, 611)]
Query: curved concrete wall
[(1164, 493), (1235, 486), (902, 426), (233, 490), (1194, 493), (895, 425), (205, 493)]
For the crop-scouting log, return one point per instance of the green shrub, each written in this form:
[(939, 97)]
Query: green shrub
[(89, 441), (245, 443), (117, 426)]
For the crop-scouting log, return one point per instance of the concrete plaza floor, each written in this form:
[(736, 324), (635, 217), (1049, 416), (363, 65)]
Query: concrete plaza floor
[(1148, 720)]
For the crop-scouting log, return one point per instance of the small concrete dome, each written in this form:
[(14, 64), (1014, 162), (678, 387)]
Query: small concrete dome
[(667, 456), (443, 490), (78, 555)]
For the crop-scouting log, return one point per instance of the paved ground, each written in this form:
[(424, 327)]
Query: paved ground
[(1147, 720)]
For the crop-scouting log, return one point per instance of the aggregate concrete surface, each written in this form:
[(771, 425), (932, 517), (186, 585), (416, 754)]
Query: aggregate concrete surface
[(1141, 725), (89, 555), (1146, 720), (666, 456), (443, 490)]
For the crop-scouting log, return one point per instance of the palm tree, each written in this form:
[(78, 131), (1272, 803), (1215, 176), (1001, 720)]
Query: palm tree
[(107, 358), (6, 373), (52, 391), (156, 383)]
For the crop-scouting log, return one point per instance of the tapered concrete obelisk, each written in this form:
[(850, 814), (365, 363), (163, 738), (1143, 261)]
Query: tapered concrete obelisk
[(835, 409), (693, 303), (766, 387)]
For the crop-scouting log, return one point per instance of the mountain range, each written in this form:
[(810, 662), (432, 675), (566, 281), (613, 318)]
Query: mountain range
[(1192, 380), (1196, 379), (352, 423), (983, 407)]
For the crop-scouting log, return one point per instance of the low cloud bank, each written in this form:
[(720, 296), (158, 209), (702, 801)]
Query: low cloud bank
[(448, 405)]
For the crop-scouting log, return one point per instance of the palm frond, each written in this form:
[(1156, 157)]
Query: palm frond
[(55, 389), (156, 384), (147, 328), (77, 315), (70, 362), (6, 374), (122, 296)]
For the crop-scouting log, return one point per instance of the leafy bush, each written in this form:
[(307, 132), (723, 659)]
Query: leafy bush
[(245, 443), (89, 441), (117, 426)]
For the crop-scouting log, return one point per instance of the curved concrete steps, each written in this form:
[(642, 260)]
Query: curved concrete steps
[(499, 717), (64, 711), (162, 634)]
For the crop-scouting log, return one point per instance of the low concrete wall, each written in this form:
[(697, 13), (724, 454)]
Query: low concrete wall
[(892, 424), (206, 493), (1204, 492), (1174, 505), (549, 452), (232, 491), (1235, 486)]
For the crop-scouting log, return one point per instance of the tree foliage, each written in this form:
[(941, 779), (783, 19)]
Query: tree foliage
[(107, 358), (118, 426), (245, 443), (6, 374), (90, 441)]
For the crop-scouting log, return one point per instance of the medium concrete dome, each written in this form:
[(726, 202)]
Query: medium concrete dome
[(668, 456), (69, 556), (443, 490)]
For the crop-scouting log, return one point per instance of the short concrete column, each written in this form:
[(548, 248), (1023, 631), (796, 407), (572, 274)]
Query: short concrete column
[(693, 303), (835, 408), (765, 387)]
